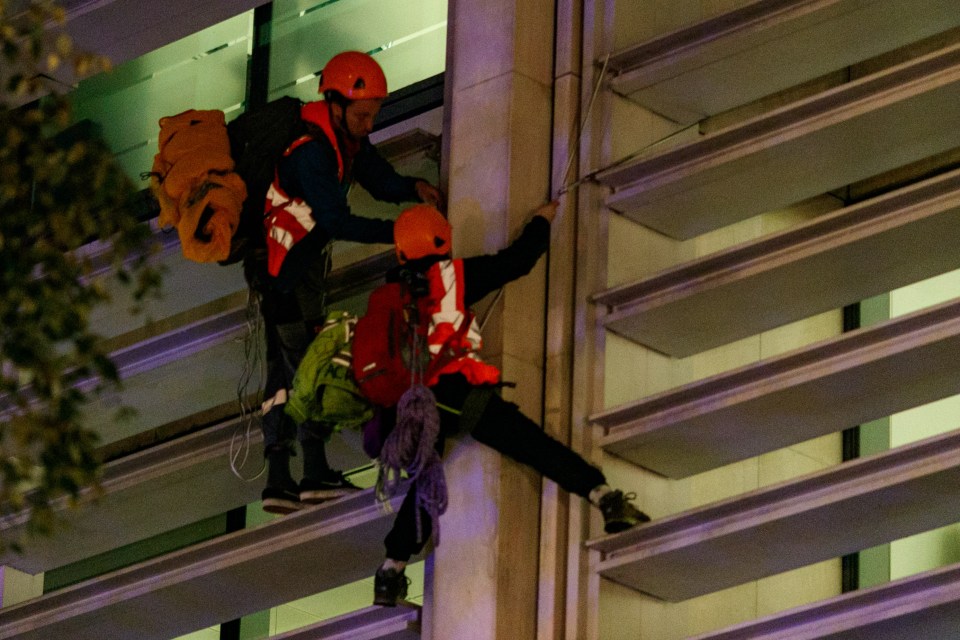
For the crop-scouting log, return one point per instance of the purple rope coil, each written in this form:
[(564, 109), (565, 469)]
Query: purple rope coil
[(411, 449)]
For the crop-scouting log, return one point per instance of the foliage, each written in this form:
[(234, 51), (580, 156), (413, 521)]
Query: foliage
[(60, 191)]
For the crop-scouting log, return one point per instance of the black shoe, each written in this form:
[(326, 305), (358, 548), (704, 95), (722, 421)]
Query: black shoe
[(333, 485), (281, 500), (618, 513), (389, 586)]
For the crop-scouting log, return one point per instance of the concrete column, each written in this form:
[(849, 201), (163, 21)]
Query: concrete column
[(590, 274), (17, 586), (497, 164), (563, 517)]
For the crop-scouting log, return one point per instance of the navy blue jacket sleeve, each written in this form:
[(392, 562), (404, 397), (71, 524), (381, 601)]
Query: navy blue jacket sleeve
[(310, 173), (483, 274), (378, 176)]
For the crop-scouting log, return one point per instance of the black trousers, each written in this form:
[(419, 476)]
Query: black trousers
[(291, 317), (501, 426)]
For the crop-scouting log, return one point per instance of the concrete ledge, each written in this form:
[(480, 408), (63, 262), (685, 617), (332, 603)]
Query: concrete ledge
[(160, 488), (373, 623), (850, 507), (832, 385), (219, 580), (765, 47), (922, 607), (793, 153), (144, 494), (824, 264)]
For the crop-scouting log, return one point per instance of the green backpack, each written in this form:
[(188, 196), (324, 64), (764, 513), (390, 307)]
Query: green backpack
[(323, 388)]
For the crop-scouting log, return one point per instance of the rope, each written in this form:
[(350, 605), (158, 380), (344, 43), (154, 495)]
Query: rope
[(583, 124), (593, 174), (252, 361)]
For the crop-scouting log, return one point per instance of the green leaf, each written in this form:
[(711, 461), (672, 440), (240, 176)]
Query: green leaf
[(59, 189)]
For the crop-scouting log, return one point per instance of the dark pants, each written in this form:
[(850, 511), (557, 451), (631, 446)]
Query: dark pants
[(286, 346), (499, 425), (291, 318)]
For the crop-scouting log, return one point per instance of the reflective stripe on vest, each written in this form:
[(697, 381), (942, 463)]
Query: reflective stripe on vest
[(287, 220), (447, 313)]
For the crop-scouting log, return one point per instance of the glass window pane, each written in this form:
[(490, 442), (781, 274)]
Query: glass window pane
[(207, 70), (407, 37)]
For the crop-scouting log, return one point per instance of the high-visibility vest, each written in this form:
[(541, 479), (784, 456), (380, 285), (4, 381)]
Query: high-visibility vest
[(287, 220), (447, 314)]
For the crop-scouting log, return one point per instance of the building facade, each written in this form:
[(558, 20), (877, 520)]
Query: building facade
[(748, 316)]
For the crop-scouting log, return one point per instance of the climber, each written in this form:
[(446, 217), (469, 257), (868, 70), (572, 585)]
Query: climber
[(306, 208), (465, 387)]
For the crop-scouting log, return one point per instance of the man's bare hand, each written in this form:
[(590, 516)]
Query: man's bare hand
[(548, 211), (431, 195)]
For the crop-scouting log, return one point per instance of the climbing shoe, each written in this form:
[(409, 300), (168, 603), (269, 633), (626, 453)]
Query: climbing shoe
[(389, 586), (618, 513), (280, 500), (332, 485)]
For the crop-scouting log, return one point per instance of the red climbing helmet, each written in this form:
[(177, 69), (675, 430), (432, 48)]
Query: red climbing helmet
[(354, 75), (421, 231)]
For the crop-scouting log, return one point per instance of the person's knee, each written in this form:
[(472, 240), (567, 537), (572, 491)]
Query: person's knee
[(314, 431), (492, 427), (278, 428)]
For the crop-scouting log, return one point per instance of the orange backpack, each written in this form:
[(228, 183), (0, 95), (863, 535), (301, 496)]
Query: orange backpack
[(211, 178), (194, 182)]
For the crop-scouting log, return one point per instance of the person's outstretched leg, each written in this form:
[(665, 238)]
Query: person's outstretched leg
[(503, 427)]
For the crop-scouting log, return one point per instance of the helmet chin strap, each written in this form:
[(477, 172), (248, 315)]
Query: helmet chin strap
[(337, 116), (340, 123)]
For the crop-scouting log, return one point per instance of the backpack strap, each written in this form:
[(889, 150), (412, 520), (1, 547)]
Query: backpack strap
[(318, 113)]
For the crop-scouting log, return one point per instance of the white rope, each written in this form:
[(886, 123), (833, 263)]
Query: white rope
[(489, 310), (583, 124), (240, 440)]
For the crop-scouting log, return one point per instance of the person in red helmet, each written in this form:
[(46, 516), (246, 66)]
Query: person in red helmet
[(465, 386), (306, 208)]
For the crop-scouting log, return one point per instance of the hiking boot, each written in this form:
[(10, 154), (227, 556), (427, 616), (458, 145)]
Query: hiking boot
[(280, 500), (618, 513), (389, 586), (333, 485)]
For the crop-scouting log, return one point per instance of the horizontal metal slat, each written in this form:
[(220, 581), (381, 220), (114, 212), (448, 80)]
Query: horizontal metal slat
[(847, 508), (219, 580), (796, 152), (824, 264), (921, 607), (373, 623), (764, 47), (777, 402)]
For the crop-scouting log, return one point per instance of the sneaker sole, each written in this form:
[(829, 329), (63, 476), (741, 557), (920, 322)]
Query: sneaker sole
[(281, 507), (616, 526), (316, 496), (384, 602)]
